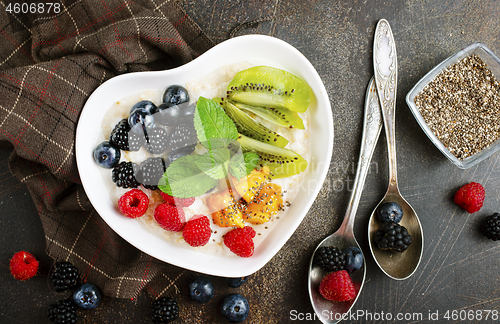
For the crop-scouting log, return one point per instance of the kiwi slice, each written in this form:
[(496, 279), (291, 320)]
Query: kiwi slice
[(247, 126), (278, 116), (269, 87), (282, 162)]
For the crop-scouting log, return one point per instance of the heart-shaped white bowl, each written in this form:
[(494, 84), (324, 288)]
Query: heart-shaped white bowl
[(255, 49)]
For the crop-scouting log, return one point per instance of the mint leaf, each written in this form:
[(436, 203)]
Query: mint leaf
[(211, 121), (242, 164), (251, 160), (214, 162), (183, 179)]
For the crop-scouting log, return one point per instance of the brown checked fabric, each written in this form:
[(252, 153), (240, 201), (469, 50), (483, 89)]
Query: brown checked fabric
[(49, 64)]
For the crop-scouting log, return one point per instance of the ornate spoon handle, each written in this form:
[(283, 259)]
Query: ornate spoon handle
[(371, 131), (385, 66)]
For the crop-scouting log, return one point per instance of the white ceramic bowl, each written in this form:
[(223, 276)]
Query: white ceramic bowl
[(255, 49)]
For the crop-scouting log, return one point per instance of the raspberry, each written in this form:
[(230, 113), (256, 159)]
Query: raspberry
[(169, 217), (197, 231), (23, 265), (179, 202), (134, 203), (470, 197), (337, 286), (240, 241)]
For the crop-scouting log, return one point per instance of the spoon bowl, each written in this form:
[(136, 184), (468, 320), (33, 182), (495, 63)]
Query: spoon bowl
[(397, 265), (328, 311)]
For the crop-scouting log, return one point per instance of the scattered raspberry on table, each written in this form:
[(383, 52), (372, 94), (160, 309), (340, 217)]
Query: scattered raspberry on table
[(23, 265), (470, 197)]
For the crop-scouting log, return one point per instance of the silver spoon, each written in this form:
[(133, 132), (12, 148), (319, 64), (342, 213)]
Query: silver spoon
[(397, 265), (328, 311)]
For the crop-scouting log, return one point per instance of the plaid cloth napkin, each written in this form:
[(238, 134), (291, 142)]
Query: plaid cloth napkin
[(49, 64)]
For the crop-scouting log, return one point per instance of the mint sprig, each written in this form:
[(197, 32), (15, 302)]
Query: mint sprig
[(193, 175)]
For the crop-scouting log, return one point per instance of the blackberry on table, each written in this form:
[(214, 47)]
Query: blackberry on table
[(392, 236), (490, 227), (157, 140), (165, 309), (329, 258), (184, 134), (64, 275), (150, 173), (63, 312), (123, 175), (122, 137)]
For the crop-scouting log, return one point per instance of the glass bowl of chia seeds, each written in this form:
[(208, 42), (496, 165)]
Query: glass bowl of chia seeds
[(457, 104)]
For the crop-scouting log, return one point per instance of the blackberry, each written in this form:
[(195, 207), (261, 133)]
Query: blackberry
[(329, 258), (392, 236), (184, 134), (63, 312), (126, 140), (157, 140), (165, 309), (136, 140), (123, 175), (64, 276), (150, 173), (174, 155), (490, 227)]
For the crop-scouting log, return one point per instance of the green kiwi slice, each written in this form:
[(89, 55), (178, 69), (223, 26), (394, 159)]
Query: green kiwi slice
[(247, 126), (282, 162), (278, 116), (269, 87)]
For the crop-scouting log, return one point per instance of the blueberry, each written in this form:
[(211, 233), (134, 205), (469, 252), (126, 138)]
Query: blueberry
[(175, 95), (146, 105), (201, 289), (236, 282), (107, 155), (353, 259), (235, 308), (168, 115), (187, 112), (174, 155), (87, 296), (142, 117), (390, 212)]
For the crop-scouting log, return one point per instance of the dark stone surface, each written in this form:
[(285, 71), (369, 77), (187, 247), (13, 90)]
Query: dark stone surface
[(459, 270)]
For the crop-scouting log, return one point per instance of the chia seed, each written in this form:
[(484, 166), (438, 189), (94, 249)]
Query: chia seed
[(462, 107)]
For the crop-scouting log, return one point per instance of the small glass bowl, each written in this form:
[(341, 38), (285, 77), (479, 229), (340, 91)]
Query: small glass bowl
[(493, 64)]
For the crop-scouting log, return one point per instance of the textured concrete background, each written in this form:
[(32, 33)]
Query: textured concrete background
[(459, 270)]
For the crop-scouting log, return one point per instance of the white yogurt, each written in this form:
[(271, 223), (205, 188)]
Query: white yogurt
[(210, 86)]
